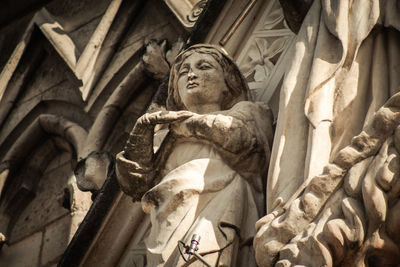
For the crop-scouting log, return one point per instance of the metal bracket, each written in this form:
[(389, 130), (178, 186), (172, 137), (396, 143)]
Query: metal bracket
[(191, 250)]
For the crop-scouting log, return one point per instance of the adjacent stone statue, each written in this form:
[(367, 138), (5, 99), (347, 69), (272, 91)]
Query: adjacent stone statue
[(345, 65), (332, 193), (348, 215), (208, 175)]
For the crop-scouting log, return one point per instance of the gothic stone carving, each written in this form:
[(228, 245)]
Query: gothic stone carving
[(187, 12), (264, 52), (206, 178), (333, 89), (346, 216)]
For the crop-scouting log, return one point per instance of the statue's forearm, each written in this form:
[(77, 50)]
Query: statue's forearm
[(135, 179), (134, 165), (139, 147), (227, 132)]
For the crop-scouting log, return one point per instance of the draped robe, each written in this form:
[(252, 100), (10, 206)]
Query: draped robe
[(210, 185), (345, 65)]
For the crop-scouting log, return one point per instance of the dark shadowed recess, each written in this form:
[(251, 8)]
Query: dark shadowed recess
[(294, 12)]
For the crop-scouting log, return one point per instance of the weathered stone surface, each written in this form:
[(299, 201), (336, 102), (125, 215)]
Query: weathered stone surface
[(47, 206), (348, 123), (73, 15), (92, 171), (24, 253), (186, 12), (204, 172), (56, 238), (81, 34), (151, 20)]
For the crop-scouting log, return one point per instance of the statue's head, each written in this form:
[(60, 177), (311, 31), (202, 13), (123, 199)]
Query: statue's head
[(204, 74)]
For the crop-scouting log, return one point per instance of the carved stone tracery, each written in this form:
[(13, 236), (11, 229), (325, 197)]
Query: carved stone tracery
[(264, 52)]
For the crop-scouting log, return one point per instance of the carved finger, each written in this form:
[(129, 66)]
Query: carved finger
[(162, 117), (184, 114), (172, 116)]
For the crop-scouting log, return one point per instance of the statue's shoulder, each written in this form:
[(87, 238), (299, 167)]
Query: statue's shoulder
[(252, 107), (251, 104)]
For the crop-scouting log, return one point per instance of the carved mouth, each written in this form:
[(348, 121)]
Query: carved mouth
[(191, 85)]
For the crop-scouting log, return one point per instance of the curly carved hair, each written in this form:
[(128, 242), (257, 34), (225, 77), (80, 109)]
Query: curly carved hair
[(237, 85)]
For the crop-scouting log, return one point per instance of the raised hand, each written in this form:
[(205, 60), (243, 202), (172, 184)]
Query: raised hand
[(162, 117)]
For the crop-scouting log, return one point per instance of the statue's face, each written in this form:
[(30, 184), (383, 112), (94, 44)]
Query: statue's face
[(201, 82)]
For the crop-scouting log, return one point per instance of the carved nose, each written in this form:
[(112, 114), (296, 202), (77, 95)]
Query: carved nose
[(191, 75)]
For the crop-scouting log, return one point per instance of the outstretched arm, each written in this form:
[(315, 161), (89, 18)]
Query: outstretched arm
[(241, 135), (236, 131)]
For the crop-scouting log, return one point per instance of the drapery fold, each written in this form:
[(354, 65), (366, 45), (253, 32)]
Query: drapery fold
[(345, 66)]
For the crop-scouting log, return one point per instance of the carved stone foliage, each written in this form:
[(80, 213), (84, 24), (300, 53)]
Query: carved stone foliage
[(348, 216), (264, 52)]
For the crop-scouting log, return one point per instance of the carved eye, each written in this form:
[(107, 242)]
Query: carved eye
[(205, 66), (183, 71)]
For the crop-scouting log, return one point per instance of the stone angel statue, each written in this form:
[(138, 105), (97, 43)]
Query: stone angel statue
[(208, 175)]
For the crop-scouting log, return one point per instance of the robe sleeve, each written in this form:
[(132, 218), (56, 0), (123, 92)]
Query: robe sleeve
[(135, 164)]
